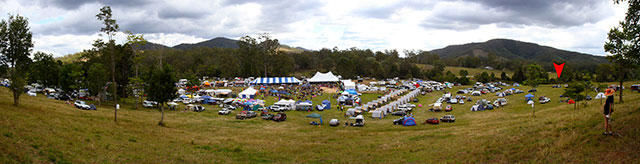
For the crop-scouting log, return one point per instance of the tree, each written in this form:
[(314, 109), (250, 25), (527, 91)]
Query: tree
[(161, 88), (110, 28), (574, 91), (623, 42), (97, 80), (136, 41), (463, 73), (504, 76), (15, 52), (44, 69), (518, 76), (268, 48), (535, 75)]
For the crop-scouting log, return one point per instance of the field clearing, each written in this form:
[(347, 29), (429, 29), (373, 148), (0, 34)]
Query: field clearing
[(41, 130), (475, 71)]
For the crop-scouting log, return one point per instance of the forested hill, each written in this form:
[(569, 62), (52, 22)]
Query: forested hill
[(218, 42), (513, 49)]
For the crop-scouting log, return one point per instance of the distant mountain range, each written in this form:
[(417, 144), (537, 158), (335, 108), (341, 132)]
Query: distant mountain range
[(218, 42), (513, 49)]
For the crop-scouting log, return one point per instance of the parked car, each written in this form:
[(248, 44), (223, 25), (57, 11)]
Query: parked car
[(398, 113), (398, 121), (453, 101), (448, 108), (533, 90), (63, 97), (432, 121), (281, 116), (31, 93), (81, 105), (267, 116), (588, 97), (224, 111), (544, 100), (502, 101), (635, 87), (415, 100), (334, 122), (246, 114), (149, 104), (448, 118)]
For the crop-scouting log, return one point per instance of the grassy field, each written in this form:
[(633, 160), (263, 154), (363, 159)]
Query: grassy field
[(41, 130)]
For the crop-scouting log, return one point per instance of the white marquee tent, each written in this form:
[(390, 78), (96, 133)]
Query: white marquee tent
[(323, 78), (248, 93)]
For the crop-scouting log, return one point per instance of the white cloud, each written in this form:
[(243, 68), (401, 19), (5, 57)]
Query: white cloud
[(414, 25)]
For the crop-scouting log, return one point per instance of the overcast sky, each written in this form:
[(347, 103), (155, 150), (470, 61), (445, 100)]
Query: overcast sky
[(66, 26)]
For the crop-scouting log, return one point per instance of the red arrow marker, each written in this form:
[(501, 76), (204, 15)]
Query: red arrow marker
[(559, 68)]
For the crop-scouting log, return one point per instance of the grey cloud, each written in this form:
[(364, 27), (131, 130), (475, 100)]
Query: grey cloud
[(545, 13), (74, 4)]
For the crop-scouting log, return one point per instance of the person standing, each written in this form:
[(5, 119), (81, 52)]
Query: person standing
[(607, 111)]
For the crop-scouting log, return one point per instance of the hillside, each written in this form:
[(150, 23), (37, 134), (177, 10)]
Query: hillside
[(513, 49), (43, 130), (220, 42)]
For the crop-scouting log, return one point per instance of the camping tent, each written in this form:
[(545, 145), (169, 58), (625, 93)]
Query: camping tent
[(600, 96), (323, 78), (476, 93), (409, 121), (377, 114), (276, 80), (348, 84), (248, 93)]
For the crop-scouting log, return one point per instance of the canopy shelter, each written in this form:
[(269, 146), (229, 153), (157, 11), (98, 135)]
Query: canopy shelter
[(323, 78), (276, 80), (315, 115), (248, 93)]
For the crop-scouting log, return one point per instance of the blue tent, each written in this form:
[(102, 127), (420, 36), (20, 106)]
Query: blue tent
[(274, 91), (283, 93), (327, 104), (183, 96), (351, 91), (205, 99), (409, 121), (528, 96)]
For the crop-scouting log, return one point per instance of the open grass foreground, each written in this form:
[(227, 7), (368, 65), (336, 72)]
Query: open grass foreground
[(42, 130)]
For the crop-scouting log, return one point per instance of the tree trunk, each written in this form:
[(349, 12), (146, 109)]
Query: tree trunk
[(621, 81), (115, 85), (161, 123), (16, 98)]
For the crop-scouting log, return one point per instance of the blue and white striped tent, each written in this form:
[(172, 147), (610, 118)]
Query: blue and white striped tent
[(276, 80)]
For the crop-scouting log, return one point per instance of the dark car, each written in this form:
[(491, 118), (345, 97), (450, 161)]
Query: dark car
[(63, 97), (448, 118), (415, 100), (398, 113), (398, 121), (251, 114), (588, 97), (432, 121), (281, 116), (533, 90)]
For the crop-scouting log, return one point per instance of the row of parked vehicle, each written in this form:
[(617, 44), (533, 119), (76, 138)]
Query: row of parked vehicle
[(433, 120)]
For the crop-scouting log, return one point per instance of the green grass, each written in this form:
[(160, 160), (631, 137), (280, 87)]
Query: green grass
[(41, 130)]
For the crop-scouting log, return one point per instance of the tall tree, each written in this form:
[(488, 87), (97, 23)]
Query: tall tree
[(623, 41), (44, 69), (574, 91), (136, 41), (97, 80), (268, 48), (15, 52), (161, 87), (110, 29)]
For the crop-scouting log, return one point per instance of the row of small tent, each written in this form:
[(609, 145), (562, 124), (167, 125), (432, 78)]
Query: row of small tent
[(384, 110), (383, 99)]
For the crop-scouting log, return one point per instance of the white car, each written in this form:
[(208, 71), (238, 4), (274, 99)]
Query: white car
[(453, 101), (31, 93), (149, 104), (81, 105), (224, 111)]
